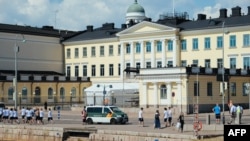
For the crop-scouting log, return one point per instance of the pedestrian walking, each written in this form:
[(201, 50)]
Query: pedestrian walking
[(41, 116), (170, 116), (181, 120), (140, 117), (50, 116), (84, 116), (217, 111), (232, 112), (45, 105), (165, 116), (157, 123), (23, 111), (239, 111)]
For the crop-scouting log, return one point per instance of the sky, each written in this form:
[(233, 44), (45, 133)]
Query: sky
[(76, 15)]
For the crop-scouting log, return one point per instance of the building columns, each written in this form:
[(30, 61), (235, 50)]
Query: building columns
[(163, 53), (132, 55), (152, 54), (142, 54)]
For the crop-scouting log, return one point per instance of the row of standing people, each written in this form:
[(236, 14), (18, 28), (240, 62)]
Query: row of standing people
[(233, 111), (167, 118), (28, 115)]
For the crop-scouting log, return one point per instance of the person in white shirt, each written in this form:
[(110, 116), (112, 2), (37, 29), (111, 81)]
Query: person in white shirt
[(41, 115), (15, 116), (5, 115), (165, 116), (140, 117), (23, 111), (232, 113), (50, 117), (169, 116)]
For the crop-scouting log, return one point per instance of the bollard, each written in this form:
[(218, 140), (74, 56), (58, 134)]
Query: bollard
[(208, 119)]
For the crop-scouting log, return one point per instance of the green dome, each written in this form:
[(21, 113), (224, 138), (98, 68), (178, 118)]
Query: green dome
[(135, 8)]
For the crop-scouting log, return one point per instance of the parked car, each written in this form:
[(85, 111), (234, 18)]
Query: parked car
[(98, 114)]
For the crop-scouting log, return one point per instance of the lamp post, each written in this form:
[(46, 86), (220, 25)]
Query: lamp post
[(223, 73), (20, 100), (104, 92), (16, 50)]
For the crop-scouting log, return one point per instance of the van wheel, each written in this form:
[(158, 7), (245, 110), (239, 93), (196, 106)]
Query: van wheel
[(89, 121), (112, 121)]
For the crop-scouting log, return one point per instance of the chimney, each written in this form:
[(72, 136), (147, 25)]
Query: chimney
[(223, 13), (90, 28), (202, 17), (248, 10), (236, 11)]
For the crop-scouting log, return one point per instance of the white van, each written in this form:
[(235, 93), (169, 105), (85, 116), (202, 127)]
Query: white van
[(98, 114)]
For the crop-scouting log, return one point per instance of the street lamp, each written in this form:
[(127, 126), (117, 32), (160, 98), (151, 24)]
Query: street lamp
[(20, 99), (104, 92), (223, 73), (16, 50)]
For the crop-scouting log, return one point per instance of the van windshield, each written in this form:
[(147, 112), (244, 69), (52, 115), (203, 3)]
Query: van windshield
[(115, 109)]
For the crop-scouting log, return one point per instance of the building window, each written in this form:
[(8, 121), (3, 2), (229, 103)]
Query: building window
[(170, 63), (111, 69), (85, 70), (68, 53), (246, 40), (76, 53), (207, 43), (138, 65), (93, 71), (233, 88), (10, 93), (196, 89), (163, 92), (93, 52), (128, 49), (84, 51), (50, 93), (219, 42), (183, 45), (102, 70), (246, 62), (148, 47), (245, 89), (159, 46), (76, 71), (127, 65), (232, 41), (195, 44), (68, 71), (196, 62), (101, 50), (232, 63), (209, 89), (137, 48), (207, 63), (119, 49), (62, 93), (73, 92), (219, 63), (148, 64), (111, 50), (170, 45), (24, 93), (159, 64), (183, 63), (119, 69)]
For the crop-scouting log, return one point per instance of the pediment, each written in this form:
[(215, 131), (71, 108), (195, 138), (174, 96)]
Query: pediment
[(146, 27)]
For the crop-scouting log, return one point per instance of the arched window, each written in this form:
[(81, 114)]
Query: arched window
[(10, 93), (163, 92), (50, 93), (24, 93), (83, 93), (62, 93), (73, 92)]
